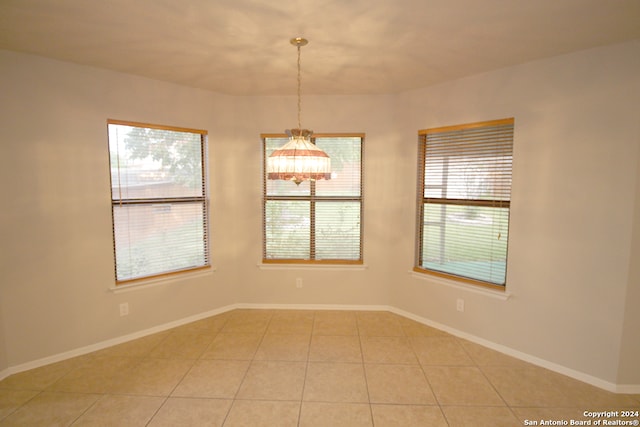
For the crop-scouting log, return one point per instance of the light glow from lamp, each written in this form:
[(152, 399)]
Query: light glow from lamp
[(299, 159)]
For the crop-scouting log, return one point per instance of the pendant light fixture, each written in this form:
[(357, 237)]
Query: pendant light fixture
[(299, 159)]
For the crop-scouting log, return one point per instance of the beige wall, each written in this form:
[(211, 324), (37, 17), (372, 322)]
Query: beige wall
[(57, 261), (575, 165), (322, 114), (569, 260), (629, 371), (3, 345)]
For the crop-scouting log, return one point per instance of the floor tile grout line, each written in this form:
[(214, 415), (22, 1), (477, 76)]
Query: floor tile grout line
[(213, 339), (478, 362), (246, 372), (426, 377), (493, 386), (168, 396), (38, 393), (364, 371), (232, 400), (306, 369), (49, 389), (87, 410), (484, 375)]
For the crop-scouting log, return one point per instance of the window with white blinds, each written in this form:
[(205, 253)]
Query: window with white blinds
[(318, 221), (158, 198), (464, 192)]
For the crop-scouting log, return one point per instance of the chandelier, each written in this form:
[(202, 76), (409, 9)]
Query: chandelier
[(299, 159)]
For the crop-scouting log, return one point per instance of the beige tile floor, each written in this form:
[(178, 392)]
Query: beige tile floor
[(298, 368)]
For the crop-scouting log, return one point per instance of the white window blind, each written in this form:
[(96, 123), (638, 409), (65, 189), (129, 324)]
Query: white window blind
[(321, 221), (159, 203), (464, 192)]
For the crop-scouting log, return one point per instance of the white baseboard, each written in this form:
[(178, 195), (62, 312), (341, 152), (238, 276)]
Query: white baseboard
[(314, 307), (581, 376), (111, 342), (628, 388)]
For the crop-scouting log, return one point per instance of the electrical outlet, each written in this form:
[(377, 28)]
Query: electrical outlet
[(299, 282), (124, 309), (460, 304)]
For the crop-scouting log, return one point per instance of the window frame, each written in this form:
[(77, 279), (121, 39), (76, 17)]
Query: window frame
[(312, 198), (421, 201), (150, 201)]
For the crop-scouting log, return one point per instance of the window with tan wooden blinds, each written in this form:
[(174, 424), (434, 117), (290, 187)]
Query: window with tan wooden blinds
[(159, 199), (464, 194), (316, 221)]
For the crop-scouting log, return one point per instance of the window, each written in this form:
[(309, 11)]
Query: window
[(158, 199), (464, 191), (316, 222)]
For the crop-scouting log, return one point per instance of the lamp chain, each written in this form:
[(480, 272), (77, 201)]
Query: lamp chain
[(299, 85)]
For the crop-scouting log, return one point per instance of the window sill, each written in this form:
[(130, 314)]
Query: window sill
[(501, 295), (297, 266), (158, 281)]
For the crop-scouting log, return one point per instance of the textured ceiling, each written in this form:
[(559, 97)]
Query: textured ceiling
[(241, 47)]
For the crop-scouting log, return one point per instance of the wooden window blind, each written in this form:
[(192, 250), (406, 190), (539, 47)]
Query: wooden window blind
[(464, 194), (158, 199), (316, 222)]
